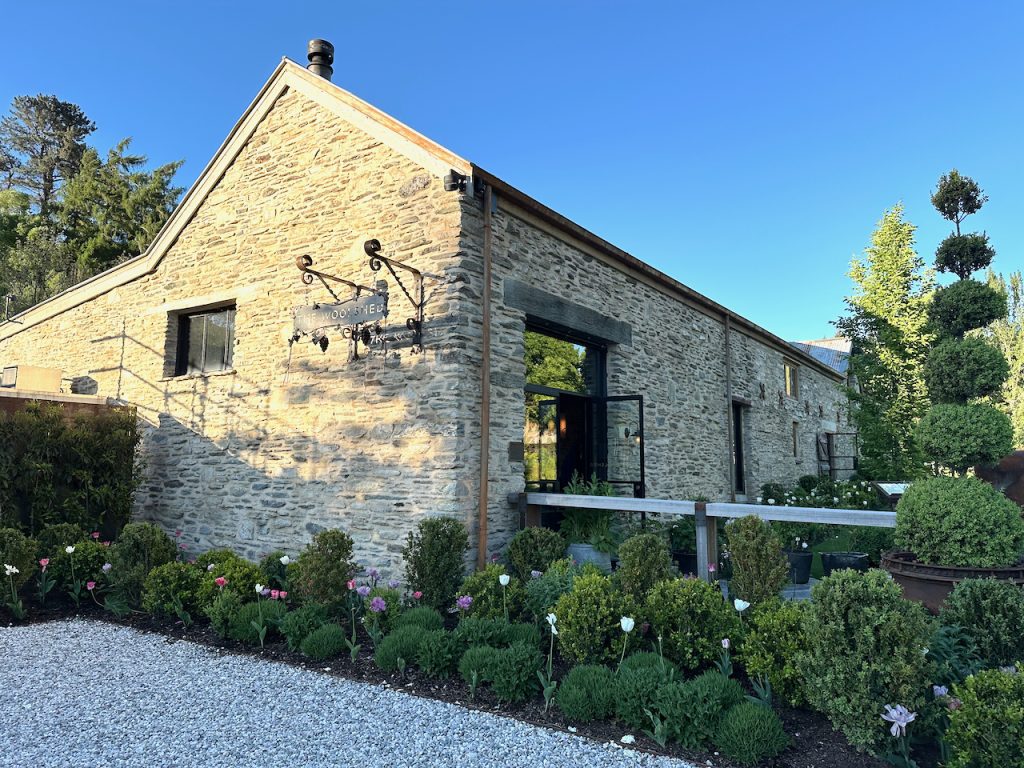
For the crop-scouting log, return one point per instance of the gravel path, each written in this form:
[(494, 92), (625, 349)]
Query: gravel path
[(88, 693)]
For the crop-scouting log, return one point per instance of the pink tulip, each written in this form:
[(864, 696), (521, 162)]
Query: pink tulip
[(90, 585), (177, 534), (352, 584), (283, 594), (96, 535), (220, 581), (274, 594), (711, 567), (417, 595), (44, 562)]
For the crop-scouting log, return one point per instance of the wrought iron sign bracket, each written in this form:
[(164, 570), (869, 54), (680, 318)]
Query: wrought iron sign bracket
[(416, 296), (305, 265)]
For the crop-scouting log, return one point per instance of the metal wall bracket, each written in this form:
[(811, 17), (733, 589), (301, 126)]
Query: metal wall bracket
[(415, 297)]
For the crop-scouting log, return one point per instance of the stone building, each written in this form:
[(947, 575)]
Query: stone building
[(278, 398)]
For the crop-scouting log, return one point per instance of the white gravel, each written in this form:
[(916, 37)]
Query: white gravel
[(88, 693)]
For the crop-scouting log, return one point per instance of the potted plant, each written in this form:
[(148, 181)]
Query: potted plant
[(682, 538), (952, 527), (837, 561), (589, 531), (800, 557)]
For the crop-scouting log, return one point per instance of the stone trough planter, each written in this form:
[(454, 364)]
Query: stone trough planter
[(931, 584)]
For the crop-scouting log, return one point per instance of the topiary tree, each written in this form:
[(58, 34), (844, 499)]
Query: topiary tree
[(643, 562), (323, 570), (535, 549), (759, 569), (960, 436), (434, 564), (965, 305), (960, 369)]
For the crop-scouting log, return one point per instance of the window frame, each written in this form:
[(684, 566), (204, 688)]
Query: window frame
[(791, 378), (796, 439), (185, 321)]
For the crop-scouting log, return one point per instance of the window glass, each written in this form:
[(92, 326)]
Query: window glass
[(792, 381), (205, 341)]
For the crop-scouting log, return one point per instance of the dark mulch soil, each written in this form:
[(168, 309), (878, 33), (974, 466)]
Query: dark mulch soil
[(815, 743)]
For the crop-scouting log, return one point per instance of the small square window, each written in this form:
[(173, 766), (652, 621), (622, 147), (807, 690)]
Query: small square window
[(205, 341), (792, 375)]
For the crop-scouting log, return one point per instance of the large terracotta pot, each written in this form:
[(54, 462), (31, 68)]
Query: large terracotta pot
[(931, 584)]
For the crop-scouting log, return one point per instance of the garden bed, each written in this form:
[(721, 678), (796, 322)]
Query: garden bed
[(815, 743)]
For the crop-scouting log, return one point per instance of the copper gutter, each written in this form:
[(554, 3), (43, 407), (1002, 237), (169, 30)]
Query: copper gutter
[(485, 386)]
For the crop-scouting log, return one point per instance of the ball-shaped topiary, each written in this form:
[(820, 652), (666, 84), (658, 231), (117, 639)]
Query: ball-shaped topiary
[(962, 436), (54, 538), (587, 693), (18, 550), (535, 549), (959, 522), (750, 733), (772, 647), (987, 729), (963, 255), (644, 560), (865, 645), (759, 569), (589, 615), (991, 613), (438, 653), (433, 555), (958, 370), (692, 619), (324, 568), (490, 598), (241, 576), (421, 616), (296, 625), (169, 585), (400, 647), (963, 306), (325, 642), (84, 564)]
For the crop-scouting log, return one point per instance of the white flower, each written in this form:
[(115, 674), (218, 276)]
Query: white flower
[(759, 499), (285, 559), (551, 621), (210, 567), (725, 643), (69, 550), (10, 570), (771, 501), (740, 605), (503, 579), (804, 545), (627, 739), (627, 624), (259, 589)]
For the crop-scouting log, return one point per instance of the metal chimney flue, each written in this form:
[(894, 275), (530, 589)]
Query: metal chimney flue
[(321, 56)]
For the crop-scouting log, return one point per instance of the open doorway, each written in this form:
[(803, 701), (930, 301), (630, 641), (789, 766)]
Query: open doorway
[(572, 425)]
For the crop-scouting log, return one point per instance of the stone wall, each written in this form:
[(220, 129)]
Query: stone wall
[(293, 439)]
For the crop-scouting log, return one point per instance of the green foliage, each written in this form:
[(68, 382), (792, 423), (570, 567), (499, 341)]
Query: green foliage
[(543, 592), (1007, 333), (18, 550), (393, 601), (872, 541), (750, 733), (53, 538), (81, 470), (552, 362), (650, 660), (438, 653), (323, 570), (241, 627), (961, 436), (759, 569), (242, 576), (481, 660), (526, 634), (475, 630), (273, 571), (991, 613), (165, 583), (587, 693), (514, 674), (588, 620), (139, 549), (324, 643), (221, 612), (865, 648), (535, 549), (643, 562), (433, 556), (88, 559), (953, 654), (693, 709), (962, 255), (956, 197), (887, 322), (773, 645), (964, 306), (421, 616), (483, 586), (588, 526), (959, 522), (958, 370), (295, 626), (403, 643), (634, 692), (987, 730), (692, 619)]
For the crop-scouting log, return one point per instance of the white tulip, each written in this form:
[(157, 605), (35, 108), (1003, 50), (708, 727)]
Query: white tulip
[(259, 589), (285, 560), (69, 550), (740, 605), (551, 621), (627, 624), (503, 579), (10, 570)]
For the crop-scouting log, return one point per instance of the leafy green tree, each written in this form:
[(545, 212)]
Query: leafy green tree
[(553, 363), (887, 322), (112, 209), (46, 138), (1007, 334)]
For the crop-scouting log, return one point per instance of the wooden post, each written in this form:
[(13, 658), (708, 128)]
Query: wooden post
[(701, 520)]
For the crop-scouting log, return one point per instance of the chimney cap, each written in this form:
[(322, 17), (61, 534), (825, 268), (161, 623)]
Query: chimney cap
[(321, 56)]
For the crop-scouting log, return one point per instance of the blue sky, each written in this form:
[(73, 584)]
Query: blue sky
[(747, 149)]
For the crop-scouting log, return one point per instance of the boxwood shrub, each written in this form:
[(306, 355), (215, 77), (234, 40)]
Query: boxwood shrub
[(991, 613), (139, 549), (865, 647), (588, 620), (959, 521), (959, 436), (18, 550), (587, 693), (987, 730), (324, 643), (772, 647), (692, 619), (489, 596), (534, 549), (323, 570), (644, 560), (167, 582), (433, 560), (759, 569)]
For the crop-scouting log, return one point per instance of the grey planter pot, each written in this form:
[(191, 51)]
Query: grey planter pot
[(587, 553)]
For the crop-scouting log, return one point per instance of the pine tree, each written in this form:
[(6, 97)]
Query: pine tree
[(888, 325)]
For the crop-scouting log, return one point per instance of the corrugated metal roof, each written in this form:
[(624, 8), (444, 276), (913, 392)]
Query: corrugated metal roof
[(834, 352)]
